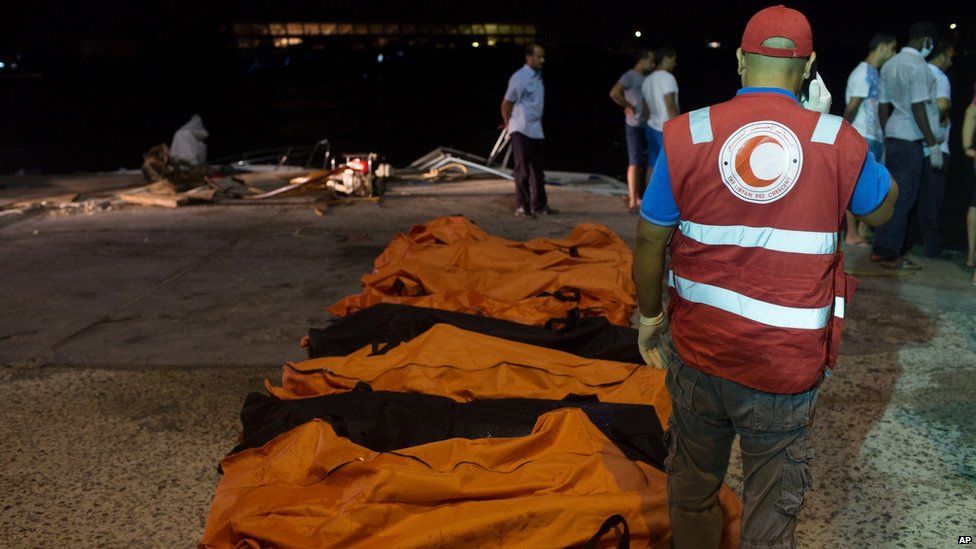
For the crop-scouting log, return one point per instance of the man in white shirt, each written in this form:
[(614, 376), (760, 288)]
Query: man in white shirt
[(660, 95), (862, 98), (911, 144), (932, 191)]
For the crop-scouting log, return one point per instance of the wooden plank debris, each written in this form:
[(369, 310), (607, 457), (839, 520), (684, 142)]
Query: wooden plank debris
[(148, 199)]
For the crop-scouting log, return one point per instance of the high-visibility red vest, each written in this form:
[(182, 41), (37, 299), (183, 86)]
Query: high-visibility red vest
[(757, 283)]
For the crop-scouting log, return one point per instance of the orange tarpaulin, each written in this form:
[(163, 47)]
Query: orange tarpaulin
[(553, 488), (464, 366), (451, 264)]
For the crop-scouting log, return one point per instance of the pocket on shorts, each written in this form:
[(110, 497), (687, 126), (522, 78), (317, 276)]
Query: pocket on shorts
[(797, 476)]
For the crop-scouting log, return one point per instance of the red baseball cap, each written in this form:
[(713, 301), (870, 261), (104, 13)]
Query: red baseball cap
[(778, 21)]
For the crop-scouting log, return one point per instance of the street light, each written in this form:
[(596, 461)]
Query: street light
[(637, 34), (475, 44), (952, 26)]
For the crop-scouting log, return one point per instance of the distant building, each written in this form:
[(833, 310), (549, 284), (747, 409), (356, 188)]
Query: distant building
[(316, 35)]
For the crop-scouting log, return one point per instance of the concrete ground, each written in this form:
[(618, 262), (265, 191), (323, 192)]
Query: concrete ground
[(130, 337)]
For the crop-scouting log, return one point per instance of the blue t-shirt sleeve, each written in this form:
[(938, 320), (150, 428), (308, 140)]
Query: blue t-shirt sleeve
[(658, 205), (872, 187)]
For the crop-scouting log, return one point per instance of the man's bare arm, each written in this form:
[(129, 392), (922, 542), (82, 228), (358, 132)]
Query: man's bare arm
[(506, 111), (652, 241), (922, 119), (672, 105), (617, 95), (884, 111), (968, 127), (943, 104), (882, 213), (850, 113)]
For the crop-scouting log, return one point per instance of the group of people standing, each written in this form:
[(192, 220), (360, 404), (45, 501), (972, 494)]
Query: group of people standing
[(749, 195), (648, 93), (899, 102)]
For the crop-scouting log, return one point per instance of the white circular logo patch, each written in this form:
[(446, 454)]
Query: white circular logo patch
[(761, 161)]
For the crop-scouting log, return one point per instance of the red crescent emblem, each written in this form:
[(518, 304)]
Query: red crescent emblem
[(743, 165)]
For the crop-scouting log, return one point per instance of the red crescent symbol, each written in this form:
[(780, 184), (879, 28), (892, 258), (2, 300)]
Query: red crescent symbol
[(743, 166)]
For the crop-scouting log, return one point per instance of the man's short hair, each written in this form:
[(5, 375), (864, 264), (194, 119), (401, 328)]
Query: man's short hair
[(940, 48), (664, 51), (923, 29), (530, 49), (880, 39), (642, 54)]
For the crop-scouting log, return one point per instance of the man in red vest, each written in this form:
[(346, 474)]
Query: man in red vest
[(757, 188)]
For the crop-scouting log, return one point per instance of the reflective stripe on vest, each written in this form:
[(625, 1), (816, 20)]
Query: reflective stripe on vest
[(753, 309), (701, 126), (779, 240), (827, 129)]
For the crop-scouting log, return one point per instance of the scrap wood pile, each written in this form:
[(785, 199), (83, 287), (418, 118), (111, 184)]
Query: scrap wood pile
[(265, 187), (441, 425), (176, 182)]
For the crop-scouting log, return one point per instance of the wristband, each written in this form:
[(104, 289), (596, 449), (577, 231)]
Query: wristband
[(645, 321)]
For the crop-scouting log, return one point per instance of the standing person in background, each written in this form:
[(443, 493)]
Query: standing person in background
[(932, 191), (627, 94), (522, 115), (660, 93), (862, 98), (968, 128), (911, 143)]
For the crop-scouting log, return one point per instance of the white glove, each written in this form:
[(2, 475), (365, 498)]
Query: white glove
[(649, 339), (819, 97), (935, 157)]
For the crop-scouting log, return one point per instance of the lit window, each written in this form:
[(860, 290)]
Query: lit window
[(286, 42)]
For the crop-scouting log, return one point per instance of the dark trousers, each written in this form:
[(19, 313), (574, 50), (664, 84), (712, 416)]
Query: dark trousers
[(530, 181), (707, 413), (930, 198), (906, 163)]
